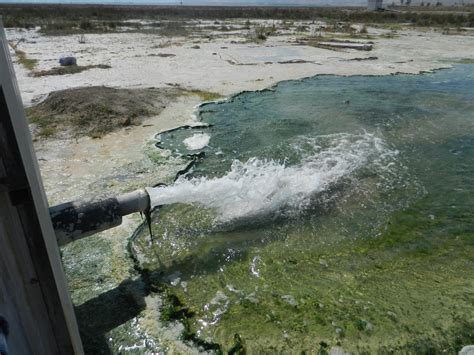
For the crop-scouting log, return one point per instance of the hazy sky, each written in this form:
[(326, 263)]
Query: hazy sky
[(235, 2)]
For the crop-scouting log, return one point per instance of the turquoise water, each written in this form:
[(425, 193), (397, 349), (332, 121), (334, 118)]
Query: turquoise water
[(331, 211)]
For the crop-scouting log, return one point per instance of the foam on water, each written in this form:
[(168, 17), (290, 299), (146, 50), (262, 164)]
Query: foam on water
[(259, 186), (197, 141)]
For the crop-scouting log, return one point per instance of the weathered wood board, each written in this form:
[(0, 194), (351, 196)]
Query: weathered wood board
[(33, 293)]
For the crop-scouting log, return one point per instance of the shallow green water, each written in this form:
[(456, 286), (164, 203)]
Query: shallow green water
[(332, 211)]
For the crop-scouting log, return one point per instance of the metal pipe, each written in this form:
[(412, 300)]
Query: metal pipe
[(78, 219), (3, 344), (135, 201), (3, 336)]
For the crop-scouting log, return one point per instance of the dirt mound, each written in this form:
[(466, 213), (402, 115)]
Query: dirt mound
[(96, 111)]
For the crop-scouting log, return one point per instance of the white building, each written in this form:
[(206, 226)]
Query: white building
[(374, 5)]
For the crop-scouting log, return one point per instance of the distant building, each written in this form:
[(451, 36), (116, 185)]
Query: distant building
[(374, 5)]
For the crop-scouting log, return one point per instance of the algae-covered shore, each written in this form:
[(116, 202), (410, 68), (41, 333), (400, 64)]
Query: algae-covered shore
[(405, 290)]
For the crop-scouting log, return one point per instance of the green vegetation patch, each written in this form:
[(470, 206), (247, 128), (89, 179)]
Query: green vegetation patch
[(466, 61), (70, 69), (64, 19), (203, 94), (23, 59), (173, 29), (28, 63), (260, 33), (404, 291)]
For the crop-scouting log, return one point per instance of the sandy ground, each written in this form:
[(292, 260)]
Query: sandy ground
[(226, 65), (135, 64), (71, 167)]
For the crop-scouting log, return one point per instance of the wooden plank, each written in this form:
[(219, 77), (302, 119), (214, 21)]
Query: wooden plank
[(33, 292)]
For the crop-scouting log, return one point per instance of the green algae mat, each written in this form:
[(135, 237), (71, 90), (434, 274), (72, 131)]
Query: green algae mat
[(327, 213)]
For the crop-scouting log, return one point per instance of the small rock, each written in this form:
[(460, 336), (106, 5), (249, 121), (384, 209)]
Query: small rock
[(219, 298), (252, 298), (323, 262), (392, 316), (364, 325), (467, 350), (369, 327), (337, 350), (174, 278), (289, 299)]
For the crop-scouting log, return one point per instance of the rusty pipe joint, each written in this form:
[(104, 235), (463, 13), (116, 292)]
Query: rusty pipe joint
[(78, 219)]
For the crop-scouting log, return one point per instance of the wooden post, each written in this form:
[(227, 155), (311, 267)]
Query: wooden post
[(34, 298)]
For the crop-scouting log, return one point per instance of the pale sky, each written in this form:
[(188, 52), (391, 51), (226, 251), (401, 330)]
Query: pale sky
[(237, 2)]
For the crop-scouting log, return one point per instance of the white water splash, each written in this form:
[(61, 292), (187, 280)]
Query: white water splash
[(265, 186), (197, 141)]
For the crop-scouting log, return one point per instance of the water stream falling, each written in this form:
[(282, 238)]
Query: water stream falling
[(258, 187)]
